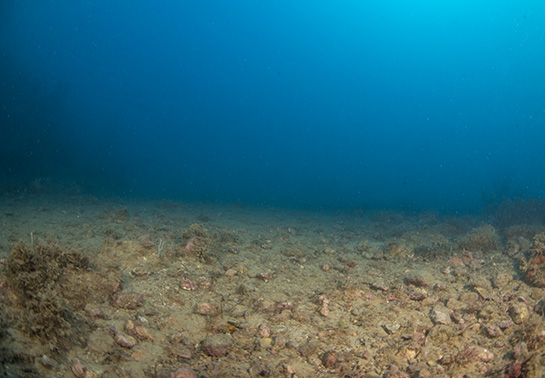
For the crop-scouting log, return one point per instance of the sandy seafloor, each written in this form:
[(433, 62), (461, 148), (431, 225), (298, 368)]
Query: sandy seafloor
[(141, 288)]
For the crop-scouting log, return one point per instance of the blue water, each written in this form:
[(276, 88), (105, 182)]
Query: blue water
[(364, 104)]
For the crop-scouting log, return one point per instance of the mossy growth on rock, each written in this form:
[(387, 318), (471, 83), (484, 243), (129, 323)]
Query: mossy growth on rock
[(197, 242), (36, 275), (484, 239), (534, 267)]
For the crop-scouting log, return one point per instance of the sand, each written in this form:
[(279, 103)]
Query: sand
[(96, 287)]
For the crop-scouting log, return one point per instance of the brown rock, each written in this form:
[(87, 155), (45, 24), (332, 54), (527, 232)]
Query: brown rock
[(264, 331), (93, 312), (493, 331), (180, 351), (207, 309), (78, 369), (519, 313), (138, 331), (127, 301), (440, 315), (418, 281), (125, 341), (217, 345), (183, 371), (329, 358)]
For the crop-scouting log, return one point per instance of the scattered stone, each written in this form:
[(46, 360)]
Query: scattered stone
[(265, 342), (125, 341), (187, 285), (183, 371), (391, 328), (539, 308), (379, 285), (519, 312), (440, 315), (469, 298), (454, 304), (78, 369), (493, 331), (100, 342), (419, 337), (418, 281), (505, 324), (264, 331), (324, 310), (207, 309), (501, 280), (329, 358), (48, 362), (484, 354), (180, 351), (487, 312), (418, 294), (138, 331), (231, 272), (93, 312)]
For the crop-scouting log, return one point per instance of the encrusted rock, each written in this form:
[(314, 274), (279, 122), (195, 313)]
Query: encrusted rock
[(217, 345)]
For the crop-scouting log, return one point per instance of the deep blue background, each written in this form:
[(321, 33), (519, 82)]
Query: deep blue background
[(410, 104)]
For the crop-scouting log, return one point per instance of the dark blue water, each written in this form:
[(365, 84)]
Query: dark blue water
[(399, 104)]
